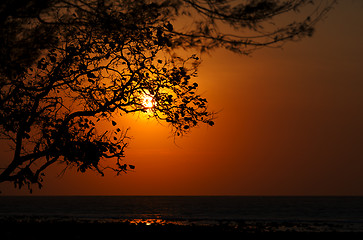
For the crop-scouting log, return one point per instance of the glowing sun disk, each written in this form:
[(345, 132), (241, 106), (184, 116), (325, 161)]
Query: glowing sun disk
[(148, 101)]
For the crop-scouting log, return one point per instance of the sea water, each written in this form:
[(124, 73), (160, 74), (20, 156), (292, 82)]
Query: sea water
[(186, 208)]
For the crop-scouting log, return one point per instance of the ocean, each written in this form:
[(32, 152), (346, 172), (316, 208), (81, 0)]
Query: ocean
[(346, 212)]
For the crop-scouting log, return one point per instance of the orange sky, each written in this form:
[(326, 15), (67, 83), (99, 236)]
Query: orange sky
[(290, 122)]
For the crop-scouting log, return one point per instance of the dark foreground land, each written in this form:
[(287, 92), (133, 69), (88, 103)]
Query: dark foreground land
[(32, 228)]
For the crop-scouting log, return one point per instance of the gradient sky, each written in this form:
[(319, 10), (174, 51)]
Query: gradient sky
[(290, 122)]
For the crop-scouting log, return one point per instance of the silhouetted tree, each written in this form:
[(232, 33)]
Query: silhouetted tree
[(68, 65)]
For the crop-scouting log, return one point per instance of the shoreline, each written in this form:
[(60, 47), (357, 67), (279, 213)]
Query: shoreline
[(24, 226)]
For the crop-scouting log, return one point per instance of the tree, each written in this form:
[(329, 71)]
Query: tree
[(69, 65)]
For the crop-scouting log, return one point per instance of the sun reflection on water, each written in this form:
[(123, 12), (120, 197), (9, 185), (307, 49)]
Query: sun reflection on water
[(154, 221)]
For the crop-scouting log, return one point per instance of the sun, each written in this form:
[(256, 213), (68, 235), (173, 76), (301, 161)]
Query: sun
[(148, 101)]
